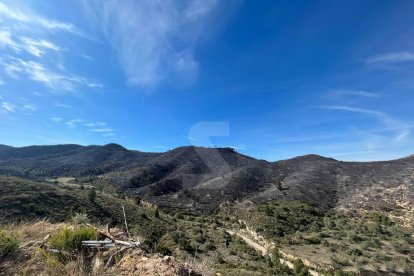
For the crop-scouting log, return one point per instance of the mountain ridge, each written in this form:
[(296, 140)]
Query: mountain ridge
[(115, 145), (202, 179)]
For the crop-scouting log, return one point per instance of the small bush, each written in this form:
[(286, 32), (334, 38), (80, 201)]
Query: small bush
[(80, 218), (92, 195), (9, 243), (300, 268), (71, 239), (162, 249)]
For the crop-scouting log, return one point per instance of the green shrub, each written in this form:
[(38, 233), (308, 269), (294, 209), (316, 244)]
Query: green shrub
[(207, 246), (9, 243), (92, 195), (71, 239), (299, 268), (80, 218), (162, 249)]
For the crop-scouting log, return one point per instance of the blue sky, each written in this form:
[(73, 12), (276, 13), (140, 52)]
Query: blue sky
[(273, 79)]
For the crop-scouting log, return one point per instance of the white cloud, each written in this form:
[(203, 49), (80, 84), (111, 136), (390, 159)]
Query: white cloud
[(37, 48), (30, 107), (32, 19), (87, 57), (74, 123), (95, 124), (35, 71), (23, 30), (6, 40), (56, 119), (189, 138), (381, 115), (152, 39), (102, 130), (95, 85), (358, 93), (7, 107), (402, 136), (392, 57), (400, 130), (60, 105)]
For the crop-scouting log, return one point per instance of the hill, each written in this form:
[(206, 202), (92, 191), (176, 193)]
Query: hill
[(217, 207), (201, 179), (67, 160)]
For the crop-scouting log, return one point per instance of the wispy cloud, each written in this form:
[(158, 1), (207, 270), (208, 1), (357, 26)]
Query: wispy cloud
[(164, 42), (6, 41), (30, 18), (392, 57), (87, 57), (403, 135), (348, 92), (56, 119), (95, 127), (375, 113), (7, 107), (29, 107), (37, 72), (25, 31), (74, 123), (1, 82), (37, 48), (96, 124), (102, 130), (189, 138), (401, 129), (60, 105)]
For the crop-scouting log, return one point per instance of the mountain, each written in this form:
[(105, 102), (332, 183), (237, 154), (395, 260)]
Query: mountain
[(67, 160), (202, 179), (219, 206)]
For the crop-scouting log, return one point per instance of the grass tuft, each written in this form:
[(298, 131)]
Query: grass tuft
[(70, 240), (9, 243)]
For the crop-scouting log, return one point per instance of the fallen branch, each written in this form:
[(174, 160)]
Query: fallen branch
[(108, 263), (125, 220), (113, 241)]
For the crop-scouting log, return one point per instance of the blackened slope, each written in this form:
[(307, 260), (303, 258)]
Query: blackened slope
[(68, 160), (327, 183), (194, 177)]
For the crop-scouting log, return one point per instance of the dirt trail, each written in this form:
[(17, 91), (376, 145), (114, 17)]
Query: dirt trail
[(265, 252), (250, 242)]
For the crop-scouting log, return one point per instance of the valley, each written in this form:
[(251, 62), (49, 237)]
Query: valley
[(221, 212)]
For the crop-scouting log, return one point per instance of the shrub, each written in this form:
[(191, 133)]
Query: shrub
[(162, 249), (200, 238), (71, 239), (207, 246), (299, 268), (9, 243), (92, 195), (80, 218)]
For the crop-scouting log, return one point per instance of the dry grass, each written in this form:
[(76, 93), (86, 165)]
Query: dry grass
[(32, 259), (29, 231)]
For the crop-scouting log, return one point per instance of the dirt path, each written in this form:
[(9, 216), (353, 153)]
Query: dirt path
[(250, 242), (265, 252)]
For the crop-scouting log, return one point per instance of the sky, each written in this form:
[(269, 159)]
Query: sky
[(272, 79)]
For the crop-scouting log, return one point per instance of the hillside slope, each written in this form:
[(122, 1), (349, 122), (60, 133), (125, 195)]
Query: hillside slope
[(67, 160), (202, 179)]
